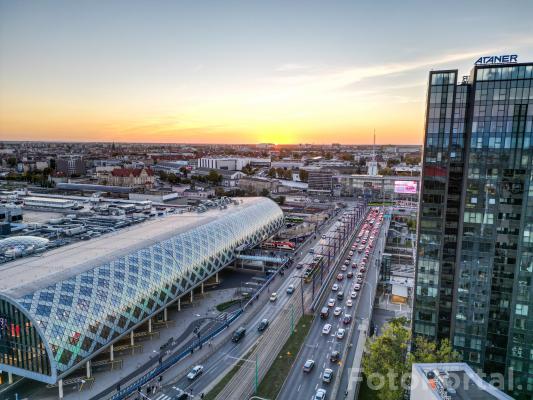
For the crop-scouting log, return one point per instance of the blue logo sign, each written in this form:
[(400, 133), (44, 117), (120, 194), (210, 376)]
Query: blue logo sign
[(505, 59)]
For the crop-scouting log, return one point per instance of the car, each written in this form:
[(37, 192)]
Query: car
[(359, 280), (356, 287), (337, 311), (326, 329), (290, 289), (350, 253), (335, 356), (195, 372), (363, 269), (324, 314), (349, 275), (327, 375), (344, 267), (349, 303), (353, 295), (347, 262), (354, 265), (331, 302), (340, 277), (238, 334), (323, 236), (340, 333), (308, 366), (263, 325), (335, 287), (340, 295), (320, 394), (273, 296), (347, 319)]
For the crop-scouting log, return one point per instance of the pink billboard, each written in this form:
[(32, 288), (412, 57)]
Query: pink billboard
[(405, 187)]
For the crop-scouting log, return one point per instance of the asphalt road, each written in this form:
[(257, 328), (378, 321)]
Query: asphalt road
[(229, 353), (318, 346)]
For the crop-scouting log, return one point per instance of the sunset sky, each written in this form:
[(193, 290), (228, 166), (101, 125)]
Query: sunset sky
[(239, 71)]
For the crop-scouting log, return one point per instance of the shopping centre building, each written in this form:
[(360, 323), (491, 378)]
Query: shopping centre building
[(64, 307)]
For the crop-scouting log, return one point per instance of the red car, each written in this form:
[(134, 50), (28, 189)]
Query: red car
[(340, 277)]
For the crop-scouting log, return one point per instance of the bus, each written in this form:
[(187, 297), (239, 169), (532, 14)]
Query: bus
[(313, 268), (294, 219), (278, 245)]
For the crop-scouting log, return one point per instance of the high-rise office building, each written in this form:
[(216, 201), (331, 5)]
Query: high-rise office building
[(474, 277)]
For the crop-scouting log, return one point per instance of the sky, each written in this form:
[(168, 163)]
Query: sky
[(239, 71)]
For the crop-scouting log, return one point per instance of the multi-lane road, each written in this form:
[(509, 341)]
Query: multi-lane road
[(319, 345), (226, 355)]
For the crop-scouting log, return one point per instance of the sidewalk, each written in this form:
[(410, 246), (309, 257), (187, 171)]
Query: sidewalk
[(185, 320)]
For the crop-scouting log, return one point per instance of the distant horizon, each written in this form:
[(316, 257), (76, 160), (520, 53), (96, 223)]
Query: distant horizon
[(208, 144)]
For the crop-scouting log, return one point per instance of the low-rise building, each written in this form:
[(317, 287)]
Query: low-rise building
[(452, 381), (130, 177), (229, 178)]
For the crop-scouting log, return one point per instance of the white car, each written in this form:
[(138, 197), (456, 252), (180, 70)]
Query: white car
[(353, 295), (320, 394), (195, 372), (356, 287), (326, 329), (344, 268), (340, 333), (327, 375), (331, 302), (273, 296), (337, 311), (335, 287), (349, 303)]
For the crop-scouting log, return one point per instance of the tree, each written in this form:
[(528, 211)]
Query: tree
[(392, 162), (347, 157), (272, 173), (303, 174), (280, 200), (386, 171), (387, 361), (214, 177), (264, 192), (287, 174), (387, 357), (184, 171), (12, 162)]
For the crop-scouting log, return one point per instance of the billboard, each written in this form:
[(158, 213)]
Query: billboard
[(405, 187)]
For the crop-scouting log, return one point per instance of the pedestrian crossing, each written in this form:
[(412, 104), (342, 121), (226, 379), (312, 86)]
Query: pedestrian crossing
[(162, 396)]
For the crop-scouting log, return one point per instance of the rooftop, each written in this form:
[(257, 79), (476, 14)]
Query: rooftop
[(29, 274), (452, 381)]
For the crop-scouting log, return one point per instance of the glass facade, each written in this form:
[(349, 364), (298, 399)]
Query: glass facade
[(80, 315), (475, 261)]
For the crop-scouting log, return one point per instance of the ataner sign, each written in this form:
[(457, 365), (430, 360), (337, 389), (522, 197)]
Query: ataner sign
[(508, 58)]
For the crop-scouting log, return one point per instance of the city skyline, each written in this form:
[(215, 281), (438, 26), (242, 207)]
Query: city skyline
[(207, 73)]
